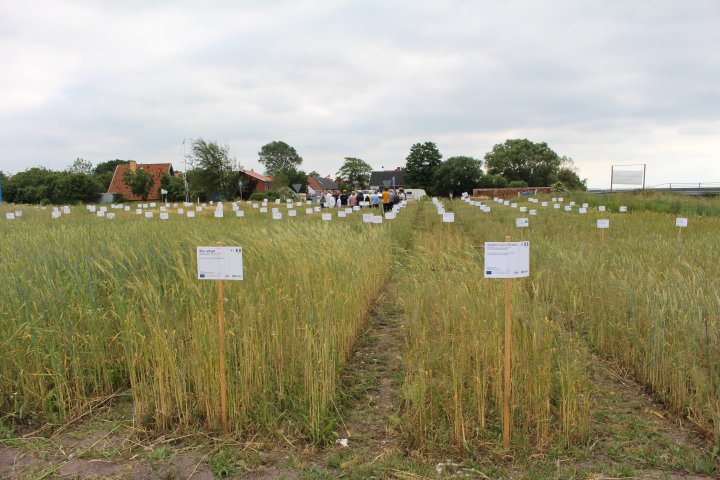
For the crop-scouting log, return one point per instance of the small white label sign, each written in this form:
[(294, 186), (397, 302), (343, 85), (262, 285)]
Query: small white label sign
[(507, 259), (623, 209), (603, 223), (164, 216), (681, 222), (522, 223), (448, 217), (220, 263), (292, 213), (601, 208), (327, 216)]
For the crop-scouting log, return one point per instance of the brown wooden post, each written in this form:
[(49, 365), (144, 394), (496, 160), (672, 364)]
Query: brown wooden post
[(221, 353), (508, 352)]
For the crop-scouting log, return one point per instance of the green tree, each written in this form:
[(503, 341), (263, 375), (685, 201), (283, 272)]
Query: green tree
[(215, 170), (287, 177), (420, 165), (104, 172), (33, 185), (355, 172), (457, 174), (569, 178), (493, 181), (80, 166), (175, 187), (39, 185), (73, 187), (140, 182), (277, 156), (520, 159)]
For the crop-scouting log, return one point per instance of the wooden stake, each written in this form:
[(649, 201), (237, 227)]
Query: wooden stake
[(508, 351), (221, 353)]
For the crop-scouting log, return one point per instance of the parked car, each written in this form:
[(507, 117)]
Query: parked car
[(415, 193)]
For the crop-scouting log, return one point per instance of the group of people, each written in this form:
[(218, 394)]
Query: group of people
[(388, 198)]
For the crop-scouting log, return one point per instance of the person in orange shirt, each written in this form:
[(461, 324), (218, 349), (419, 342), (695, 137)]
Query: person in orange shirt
[(386, 200)]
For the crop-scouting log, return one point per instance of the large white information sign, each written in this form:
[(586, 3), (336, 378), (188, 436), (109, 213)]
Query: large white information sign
[(220, 263), (507, 259)]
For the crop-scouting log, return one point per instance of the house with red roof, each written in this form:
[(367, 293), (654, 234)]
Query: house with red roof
[(157, 170), (317, 184), (257, 181)]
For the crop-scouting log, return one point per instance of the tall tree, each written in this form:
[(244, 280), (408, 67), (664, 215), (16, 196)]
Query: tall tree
[(139, 181), (278, 156), (420, 164), (215, 171), (355, 172), (81, 166), (458, 174), (520, 159)]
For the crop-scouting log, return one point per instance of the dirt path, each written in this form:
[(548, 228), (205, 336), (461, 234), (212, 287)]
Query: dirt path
[(373, 378), (633, 435), (369, 406)]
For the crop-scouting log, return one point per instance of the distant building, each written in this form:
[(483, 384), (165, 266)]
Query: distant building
[(387, 178), (318, 184), (258, 182), (157, 170)]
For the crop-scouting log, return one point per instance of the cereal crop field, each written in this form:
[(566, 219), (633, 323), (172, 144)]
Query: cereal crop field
[(358, 349)]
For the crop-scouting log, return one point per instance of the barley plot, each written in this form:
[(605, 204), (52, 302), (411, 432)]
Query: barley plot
[(114, 305)]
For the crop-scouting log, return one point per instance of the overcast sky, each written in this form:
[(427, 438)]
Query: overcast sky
[(603, 82)]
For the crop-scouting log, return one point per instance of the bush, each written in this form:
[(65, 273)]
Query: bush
[(518, 184), (257, 196)]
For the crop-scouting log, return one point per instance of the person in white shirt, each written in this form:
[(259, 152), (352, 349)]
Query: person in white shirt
[(329, 201)]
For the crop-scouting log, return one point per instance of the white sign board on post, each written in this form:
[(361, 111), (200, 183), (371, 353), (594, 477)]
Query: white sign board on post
[(448, 217), (507, 259), (522, 223), (681, 222), (220, 263), (603, 223)]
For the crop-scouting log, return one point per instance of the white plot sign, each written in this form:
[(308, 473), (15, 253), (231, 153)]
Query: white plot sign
[(681, 222), (603, 223), (507, 259), (220, 263)]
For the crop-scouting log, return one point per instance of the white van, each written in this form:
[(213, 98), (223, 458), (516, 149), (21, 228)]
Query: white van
[(415, 193)]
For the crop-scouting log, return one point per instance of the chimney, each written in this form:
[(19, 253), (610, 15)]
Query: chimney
[(133, 165)]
